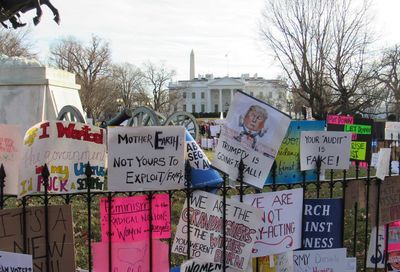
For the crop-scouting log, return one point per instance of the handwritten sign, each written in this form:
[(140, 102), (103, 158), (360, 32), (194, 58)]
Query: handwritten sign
[(393, 261), (66, 148), (281, 263), (10, 156), (15, 262), (146, 158), (376, 258), (339, 120), (131, 256), (202, 175), (200, 265), (392, 131), (253, 133), (61, 242), (332, 148), (205, 212), (361, 129), (389, 205), (130, 218), (394, 236), (281, 228), (382, 166), (322, 223), (332, 260), (288, 158)]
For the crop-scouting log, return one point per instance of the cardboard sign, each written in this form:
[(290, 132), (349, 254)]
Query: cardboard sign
[(253, 132), (61, 240), (322, 223), (392, 131), (281, 228), (362, 130), (389, 205), (376, 252), (288, 158), (205, 212), (131, 256), (332, 260), (130, 218), (146, 158), (15, 262), (382, 166), (202, 175), (332, 148), (66, 148), (10, 156)]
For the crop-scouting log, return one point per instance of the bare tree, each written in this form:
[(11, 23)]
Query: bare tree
[(157, 79), (321, 45), (91, 65), (16, 43), (128, 83)]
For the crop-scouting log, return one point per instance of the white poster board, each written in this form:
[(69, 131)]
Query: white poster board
[(146, 158), (200, 265), (392, 131), (351, 264), (382, 166), (333, 260), (15, 262), (10, 156), (282, 221), (332, 147), (253, 132), (376, 258), (206, 230), (66, 148)]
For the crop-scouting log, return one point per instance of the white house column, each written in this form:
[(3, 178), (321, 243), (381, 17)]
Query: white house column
[(220, 101), (209, 101), (232, 95)]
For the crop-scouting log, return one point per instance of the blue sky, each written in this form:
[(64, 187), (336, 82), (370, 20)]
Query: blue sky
[(167, 30)]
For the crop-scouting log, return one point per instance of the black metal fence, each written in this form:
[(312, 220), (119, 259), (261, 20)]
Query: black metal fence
[(356, 224)]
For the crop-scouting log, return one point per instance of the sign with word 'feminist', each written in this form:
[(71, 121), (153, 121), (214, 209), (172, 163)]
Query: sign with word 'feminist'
[(146, 158), (281, 228), (66, 148)]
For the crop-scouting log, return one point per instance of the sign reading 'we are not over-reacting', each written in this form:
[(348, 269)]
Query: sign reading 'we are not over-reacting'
[(146, 158)]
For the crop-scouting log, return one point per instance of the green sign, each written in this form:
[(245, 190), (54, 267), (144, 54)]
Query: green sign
[(358, 129), (358, 150)]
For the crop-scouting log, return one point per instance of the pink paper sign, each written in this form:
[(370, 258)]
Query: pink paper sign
[(130, 219), (132, 256), (339, 120), (394, 236)]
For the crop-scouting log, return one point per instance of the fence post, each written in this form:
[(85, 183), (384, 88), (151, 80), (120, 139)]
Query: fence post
[(46, 174), (378, 199), (2, 185), (318, 165), (188, 178), (88, 173), (367, 184), (224, 223), (109, 202)]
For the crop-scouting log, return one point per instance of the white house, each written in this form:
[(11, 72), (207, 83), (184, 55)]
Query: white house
[(206, 94)]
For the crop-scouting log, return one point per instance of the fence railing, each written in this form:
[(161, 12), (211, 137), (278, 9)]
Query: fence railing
[(356, 224)]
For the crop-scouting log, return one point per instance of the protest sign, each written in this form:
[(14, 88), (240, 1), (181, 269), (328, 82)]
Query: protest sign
[(66, 148), (394, 236), (253, 133), (355, 193), (382, 166), (281, 263), (206, 238), (288, 158), (10, 262), (389, 204), (61, 242), (361, 129), (351, 265), (131, 256), (146, 158), (376, 252), (332, 260), (332, 148), (197, 265), (282, 214), (130, 218), (202, 175), (393, 261), (322, 223), (10, 156), (392, 131)]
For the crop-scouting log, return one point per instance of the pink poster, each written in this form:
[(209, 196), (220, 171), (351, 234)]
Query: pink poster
[(132, 256), (394, 236), (130, 219)]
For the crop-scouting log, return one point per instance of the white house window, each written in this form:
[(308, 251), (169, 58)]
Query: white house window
[(193, 95), (193, 108), (184, 94), (203, 108), (184, 107), (202, 95)]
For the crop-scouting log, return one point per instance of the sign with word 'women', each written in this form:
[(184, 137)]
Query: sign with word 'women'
[(281, 228), (146, 158), (253, 133), (205, 212), (66, 148), (10, 155), (330, 148)]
